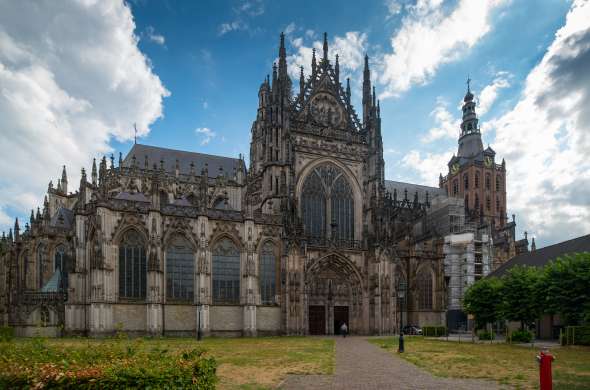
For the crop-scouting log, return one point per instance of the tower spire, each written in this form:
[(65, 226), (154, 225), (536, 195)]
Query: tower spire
[(348, 90), (301, 84), (469, 126), (282, 58), (313, 61), (94, 174), (366, 92), (64, 180), (325, 46), (337, 71)]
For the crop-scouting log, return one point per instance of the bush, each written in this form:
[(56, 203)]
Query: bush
[(485, 335), (576, 335), (521, 336), (6, 333), (434, 331)]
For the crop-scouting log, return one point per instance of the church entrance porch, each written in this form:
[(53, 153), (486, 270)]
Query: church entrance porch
[(334, 295)]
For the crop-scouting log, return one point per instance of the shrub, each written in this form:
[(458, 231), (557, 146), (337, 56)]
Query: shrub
[(434, 331), (521, 336), (485, 335), (6, 333)]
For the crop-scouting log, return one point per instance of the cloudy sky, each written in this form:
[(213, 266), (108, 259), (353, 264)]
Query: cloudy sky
[(76, 75)]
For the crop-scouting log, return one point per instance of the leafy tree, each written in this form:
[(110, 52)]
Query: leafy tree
[(566, 283), (483, 300), (520, 295)]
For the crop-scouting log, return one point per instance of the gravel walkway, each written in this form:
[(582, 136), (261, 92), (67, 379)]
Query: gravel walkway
[(362, 365)]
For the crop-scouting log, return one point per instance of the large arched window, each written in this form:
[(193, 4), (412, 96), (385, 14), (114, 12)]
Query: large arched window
[(476, 179), (132, 266), (466, 181), (328, 202), (498, 179), (226, 273), (268, 274), (59, 265), (424, 282), (180, 265), (40, 265)]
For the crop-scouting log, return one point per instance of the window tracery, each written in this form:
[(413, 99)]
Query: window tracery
[(40, 264), (60, 266), (226, 273), (179, 270), (132, 266), (424, 282), (327, 199), (268, 274)]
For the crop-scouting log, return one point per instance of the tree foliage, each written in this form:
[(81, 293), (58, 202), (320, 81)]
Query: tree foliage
[(483, 299), (566, 285), (520, 301)]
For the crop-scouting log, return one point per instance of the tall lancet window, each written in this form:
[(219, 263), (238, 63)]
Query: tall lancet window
[(424, 282), (226, 273), (132, 266), (180, 265), (327, 199), (40, 265), (60, 266), (268, 274)]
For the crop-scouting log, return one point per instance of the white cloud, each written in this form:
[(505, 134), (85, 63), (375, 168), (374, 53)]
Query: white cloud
[(154, 37), (393, 8), (430, 37), (447, 126), (205, 104), (71, 78), (243, 12), (546, 137), (206, 133), (427, 166), (350, 49), (490, 93)]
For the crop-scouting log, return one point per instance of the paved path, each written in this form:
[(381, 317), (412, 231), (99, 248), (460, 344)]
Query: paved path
[(362, 365)]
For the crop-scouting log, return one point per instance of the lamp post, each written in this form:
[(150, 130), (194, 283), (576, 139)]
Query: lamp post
[(401, 293)]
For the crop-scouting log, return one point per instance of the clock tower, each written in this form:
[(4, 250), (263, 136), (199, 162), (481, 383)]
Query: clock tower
[(474, 174)]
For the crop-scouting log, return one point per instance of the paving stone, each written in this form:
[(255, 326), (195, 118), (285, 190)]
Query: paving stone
[(364, 366)]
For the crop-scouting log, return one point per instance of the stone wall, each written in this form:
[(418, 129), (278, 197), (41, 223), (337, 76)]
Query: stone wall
[(180, 318), (226, 319), (131, 317), (268, 319)]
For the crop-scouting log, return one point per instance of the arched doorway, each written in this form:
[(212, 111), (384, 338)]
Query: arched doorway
[(333, 291)]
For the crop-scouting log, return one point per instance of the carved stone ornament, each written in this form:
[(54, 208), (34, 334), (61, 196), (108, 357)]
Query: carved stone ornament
[(326, 111)]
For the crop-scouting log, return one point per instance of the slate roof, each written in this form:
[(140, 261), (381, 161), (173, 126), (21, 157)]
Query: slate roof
[(400, 186), (540, 257), (155, 154), (63, 218)]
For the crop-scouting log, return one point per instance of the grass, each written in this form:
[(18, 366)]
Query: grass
[(243, 363), (507, 364)]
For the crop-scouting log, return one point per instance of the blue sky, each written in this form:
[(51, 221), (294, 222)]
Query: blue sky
[(188, 73)]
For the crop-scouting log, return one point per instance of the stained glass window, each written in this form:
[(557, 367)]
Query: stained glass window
[(226, 273), (268, 264), (326, 191), (180, 265), (132, 266), (424, 281), (60, 265)]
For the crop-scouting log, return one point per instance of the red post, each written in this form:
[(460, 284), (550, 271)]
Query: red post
[(545, 359)]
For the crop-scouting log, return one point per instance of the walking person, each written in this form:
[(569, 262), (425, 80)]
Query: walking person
[(343, 329)]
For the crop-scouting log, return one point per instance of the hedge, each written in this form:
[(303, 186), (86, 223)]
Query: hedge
[(434, 330), (520, 336), (576, 335), (485, 335)]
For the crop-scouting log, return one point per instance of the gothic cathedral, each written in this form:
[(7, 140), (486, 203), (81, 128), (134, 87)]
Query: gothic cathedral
[(308, 237)]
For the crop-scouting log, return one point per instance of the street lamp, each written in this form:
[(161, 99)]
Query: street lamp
[(401, 293)]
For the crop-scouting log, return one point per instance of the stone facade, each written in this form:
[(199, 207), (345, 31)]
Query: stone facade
[(309, 236)]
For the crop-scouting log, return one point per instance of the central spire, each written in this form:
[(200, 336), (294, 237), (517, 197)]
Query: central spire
[(326, 46)]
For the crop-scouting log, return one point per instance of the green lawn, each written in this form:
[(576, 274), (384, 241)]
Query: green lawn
[(504, 363), (246, 363)]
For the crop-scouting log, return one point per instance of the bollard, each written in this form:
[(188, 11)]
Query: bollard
[(401, 343), (545, 378)]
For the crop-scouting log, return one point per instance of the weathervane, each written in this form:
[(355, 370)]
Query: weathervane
[(468, 82)]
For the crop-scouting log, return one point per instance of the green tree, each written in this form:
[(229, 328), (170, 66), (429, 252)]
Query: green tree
[(483, 299), (566, 283), (520, 295)]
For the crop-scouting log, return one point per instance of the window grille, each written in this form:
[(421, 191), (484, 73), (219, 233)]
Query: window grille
[(132, 266), (180, 265), (60, 265), (326, 191), (268, 266), (424, 281), (226, 273)]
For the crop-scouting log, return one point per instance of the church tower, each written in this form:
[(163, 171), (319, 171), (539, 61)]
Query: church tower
[(474, 174)]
